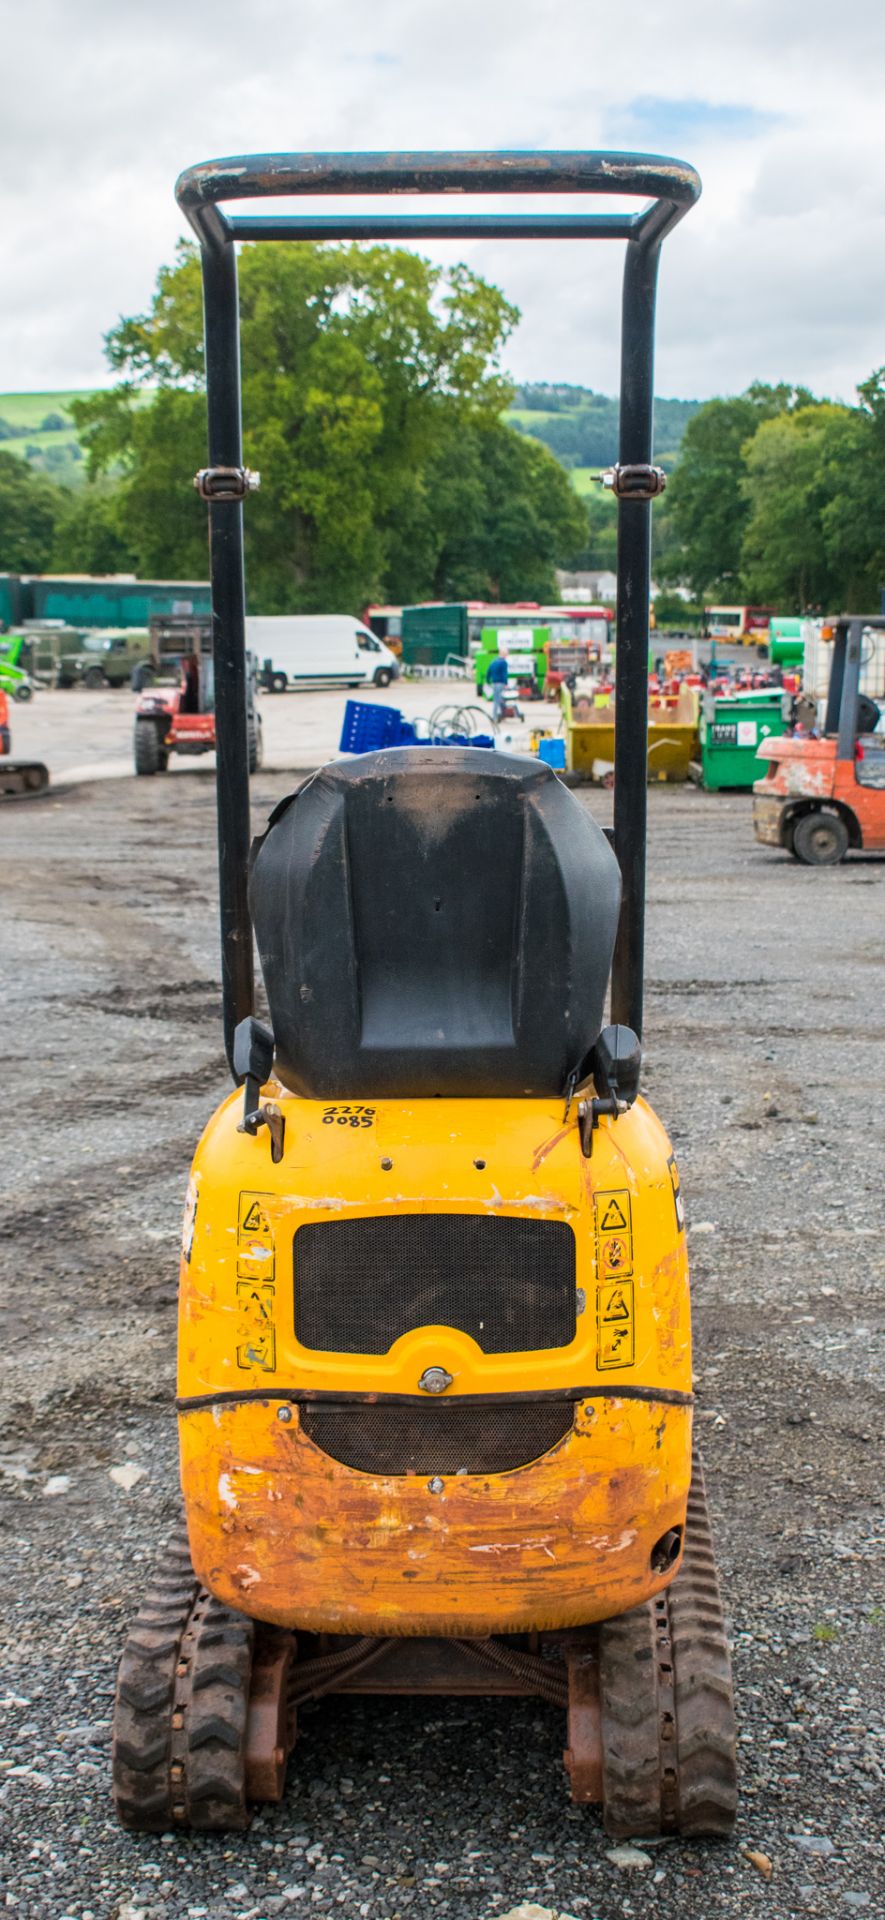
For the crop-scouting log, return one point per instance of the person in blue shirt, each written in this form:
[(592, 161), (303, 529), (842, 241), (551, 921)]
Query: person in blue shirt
[(497, 678)]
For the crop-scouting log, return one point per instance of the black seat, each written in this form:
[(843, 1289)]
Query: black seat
[(433, 921)]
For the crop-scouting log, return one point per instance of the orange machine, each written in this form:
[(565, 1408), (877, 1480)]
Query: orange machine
[(181, 718), (824, 794), (17, 776), (434, 1385)]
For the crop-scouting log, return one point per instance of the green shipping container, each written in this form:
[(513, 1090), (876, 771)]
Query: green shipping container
[(112, 602), (430, 634), (732, 726), (91, 600)]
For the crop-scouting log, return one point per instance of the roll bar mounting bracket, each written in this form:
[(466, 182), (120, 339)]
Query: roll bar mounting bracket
[(634, 483), (226, 483)]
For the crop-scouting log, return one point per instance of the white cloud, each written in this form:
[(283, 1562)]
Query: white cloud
[(777, 274)]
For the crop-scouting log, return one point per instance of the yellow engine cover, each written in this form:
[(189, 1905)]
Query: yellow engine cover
[(288, 1534)]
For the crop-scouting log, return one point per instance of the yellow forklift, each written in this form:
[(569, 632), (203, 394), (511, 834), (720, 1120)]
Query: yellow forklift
[(434, 1380)]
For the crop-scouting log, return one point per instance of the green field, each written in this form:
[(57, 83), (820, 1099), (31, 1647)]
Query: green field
[(529, 417), (581, 429), (53, 451), (28, 409)]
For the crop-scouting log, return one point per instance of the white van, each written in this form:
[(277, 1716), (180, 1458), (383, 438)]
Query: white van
[(317, 650)]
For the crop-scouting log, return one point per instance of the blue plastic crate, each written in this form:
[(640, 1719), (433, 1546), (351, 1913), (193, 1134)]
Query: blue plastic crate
[(552, 752), (368, 725)]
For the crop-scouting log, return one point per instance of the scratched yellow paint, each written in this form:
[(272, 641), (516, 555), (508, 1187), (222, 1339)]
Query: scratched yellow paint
[(300, 1539)]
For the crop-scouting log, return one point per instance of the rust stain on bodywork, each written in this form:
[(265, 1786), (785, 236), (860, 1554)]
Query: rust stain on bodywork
[(547, 1146), (315, 1544)]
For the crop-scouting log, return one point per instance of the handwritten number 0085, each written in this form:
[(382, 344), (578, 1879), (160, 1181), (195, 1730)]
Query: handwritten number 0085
[(349, 1116)]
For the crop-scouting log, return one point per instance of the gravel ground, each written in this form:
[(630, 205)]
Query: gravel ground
[(82, 734), (764, 1035)]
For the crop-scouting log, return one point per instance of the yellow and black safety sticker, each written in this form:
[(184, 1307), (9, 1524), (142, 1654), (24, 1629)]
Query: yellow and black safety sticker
[(678, 1201), (255, 1244), (614, 1234), (615, 1337), (256, 1346)]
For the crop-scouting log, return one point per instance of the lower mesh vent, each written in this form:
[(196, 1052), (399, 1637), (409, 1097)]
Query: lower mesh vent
[(437, 1439)]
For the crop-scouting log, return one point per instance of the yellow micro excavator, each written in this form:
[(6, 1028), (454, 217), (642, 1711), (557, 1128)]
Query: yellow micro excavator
[(434, 1387)]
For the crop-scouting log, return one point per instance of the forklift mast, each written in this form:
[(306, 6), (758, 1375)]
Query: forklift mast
[(843, 694), (668, 189)]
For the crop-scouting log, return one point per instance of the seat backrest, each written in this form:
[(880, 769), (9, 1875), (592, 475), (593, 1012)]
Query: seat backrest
[(433, 920)]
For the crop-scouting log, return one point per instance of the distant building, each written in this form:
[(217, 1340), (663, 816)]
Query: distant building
[(593, 587), (603, 587)]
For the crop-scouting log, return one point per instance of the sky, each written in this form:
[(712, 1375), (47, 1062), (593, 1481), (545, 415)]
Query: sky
[(777, 274)]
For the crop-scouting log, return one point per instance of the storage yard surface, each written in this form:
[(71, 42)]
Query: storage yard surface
[(83, 735), (764, 1037)]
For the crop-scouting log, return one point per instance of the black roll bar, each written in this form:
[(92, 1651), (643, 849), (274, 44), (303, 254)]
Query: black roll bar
[(669, 188)]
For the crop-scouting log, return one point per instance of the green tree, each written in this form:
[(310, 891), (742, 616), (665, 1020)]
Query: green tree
[(359, 364), (87, 536), (810, 536), (145, 456), (672, 613), (708, 508), (509, 519), (30, 506), (597, 548), (851, 520)]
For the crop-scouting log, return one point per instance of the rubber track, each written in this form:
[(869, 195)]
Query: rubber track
[(22, 778), (180, 1708), (668, 1727)]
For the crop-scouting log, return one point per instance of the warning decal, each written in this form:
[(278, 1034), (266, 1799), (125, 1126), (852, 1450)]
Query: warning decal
[(255, 1245), (617, 1305), (614, 1325), (678, 1201), (614, 1255), (614, 1218), (615, 1342), (256, 1344), (614, 1233)]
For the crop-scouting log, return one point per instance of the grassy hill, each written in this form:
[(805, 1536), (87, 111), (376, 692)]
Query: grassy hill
[(581, 427), (38, 428), (578, 425)]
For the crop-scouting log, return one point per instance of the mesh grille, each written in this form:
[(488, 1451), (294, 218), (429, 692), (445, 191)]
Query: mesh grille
[(360, 1284), (437, 1438)]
